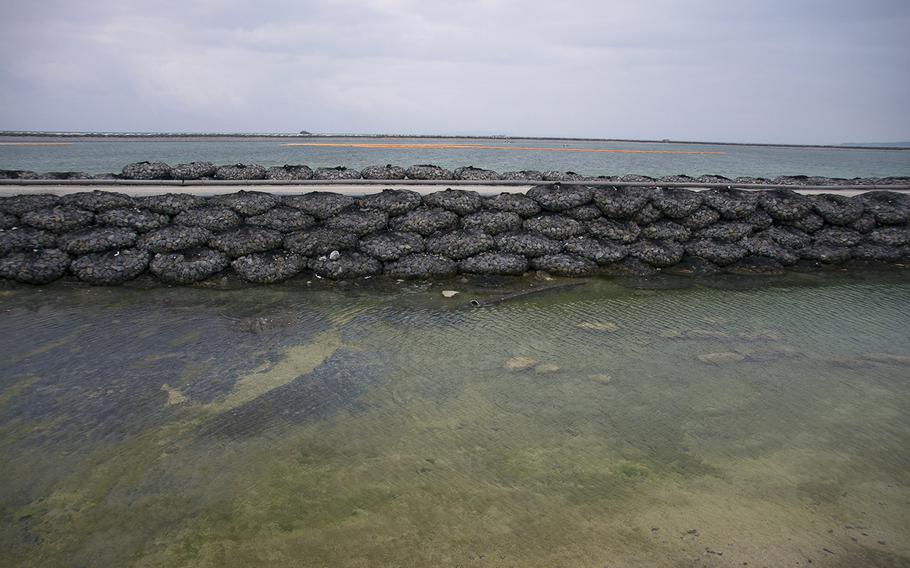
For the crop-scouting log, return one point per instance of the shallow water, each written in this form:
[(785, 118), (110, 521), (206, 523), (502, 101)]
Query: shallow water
[(669, 422), (110, 155)]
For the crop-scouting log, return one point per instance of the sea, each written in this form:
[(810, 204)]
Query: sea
[(98, 155)]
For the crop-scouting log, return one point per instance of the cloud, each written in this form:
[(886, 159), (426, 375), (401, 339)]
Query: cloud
[(777, 71)]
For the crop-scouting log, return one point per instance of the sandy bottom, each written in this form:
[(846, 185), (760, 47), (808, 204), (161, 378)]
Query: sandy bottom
[(605, 425)]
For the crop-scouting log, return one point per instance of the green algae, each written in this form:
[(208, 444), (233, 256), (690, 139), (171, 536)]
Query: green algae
[(446, 457)]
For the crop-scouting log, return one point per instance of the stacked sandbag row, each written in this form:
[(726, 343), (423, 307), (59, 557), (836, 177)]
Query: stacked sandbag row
[(209, 171), (110, 238)]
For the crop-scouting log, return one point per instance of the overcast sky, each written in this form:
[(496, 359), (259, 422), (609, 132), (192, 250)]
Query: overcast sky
[(810, 71)]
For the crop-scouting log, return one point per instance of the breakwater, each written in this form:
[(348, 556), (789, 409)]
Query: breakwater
[(569, 230), (207, 171)]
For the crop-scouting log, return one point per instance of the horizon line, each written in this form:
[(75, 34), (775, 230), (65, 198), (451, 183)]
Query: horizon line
[(895, 145)]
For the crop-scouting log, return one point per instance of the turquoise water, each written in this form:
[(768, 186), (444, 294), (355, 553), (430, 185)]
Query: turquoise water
[(668, 422), (104, 155)]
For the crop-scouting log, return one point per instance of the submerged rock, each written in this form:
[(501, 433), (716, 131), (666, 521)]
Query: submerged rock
[(269, 267), (421, 265), (112, 267), (189, 266), (876, 253), (40, 266), (826, 253), (764, 246), (598, 326), (564, 264), (723, 358), (631, 267), (719, 252), (754, 264), (694, 265), (657, 253), (392, 245), (345, 266), (521, 363)]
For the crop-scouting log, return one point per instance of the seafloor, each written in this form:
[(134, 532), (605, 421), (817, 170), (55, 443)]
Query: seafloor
[(656, 421)]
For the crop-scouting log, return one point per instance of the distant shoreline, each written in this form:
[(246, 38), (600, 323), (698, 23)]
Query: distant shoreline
[(278, 135)]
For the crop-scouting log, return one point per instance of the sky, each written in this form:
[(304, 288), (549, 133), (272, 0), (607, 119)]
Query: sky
[(777, 71)]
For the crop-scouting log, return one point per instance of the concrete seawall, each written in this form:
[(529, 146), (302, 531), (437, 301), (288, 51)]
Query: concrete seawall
[(571, 229)]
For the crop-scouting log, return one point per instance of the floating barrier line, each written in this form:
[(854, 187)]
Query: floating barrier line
[(484, 147)]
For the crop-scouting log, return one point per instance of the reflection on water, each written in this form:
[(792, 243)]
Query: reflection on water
[(618, 423)]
